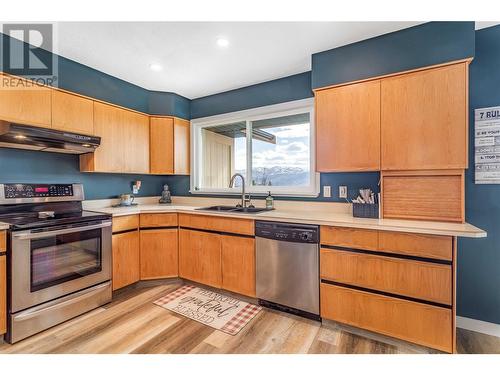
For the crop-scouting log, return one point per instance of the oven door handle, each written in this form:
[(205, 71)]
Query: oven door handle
[(29, 236)]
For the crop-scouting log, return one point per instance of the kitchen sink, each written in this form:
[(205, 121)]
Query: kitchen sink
[(245, 210)]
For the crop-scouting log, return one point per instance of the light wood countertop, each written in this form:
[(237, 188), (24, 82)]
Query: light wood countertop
[(307, 215)]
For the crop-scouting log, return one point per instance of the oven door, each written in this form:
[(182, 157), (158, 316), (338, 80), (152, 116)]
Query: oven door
[(56, 261)]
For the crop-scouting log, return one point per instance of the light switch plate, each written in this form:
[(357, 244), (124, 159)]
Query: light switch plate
[(343, 191), (327, 191)]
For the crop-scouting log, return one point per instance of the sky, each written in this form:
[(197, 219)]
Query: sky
[(291, 148)]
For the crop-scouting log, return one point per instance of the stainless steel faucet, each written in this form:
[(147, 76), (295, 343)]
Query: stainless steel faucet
[(244, 199)]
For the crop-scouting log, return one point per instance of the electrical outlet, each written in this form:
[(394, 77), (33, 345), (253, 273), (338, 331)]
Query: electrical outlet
[(343, 191), (327, 191)]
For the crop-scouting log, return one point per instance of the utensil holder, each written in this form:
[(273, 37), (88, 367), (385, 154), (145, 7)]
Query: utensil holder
[(365, 210)]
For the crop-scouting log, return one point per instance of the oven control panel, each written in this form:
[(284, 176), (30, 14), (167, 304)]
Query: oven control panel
[(20, 191)]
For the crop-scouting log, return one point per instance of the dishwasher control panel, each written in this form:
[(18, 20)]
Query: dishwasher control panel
[(287, 232)]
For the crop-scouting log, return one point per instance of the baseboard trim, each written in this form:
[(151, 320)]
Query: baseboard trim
[(478, 326)]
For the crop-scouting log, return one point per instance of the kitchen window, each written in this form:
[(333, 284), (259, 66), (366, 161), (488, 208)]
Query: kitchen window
[(272, 147)]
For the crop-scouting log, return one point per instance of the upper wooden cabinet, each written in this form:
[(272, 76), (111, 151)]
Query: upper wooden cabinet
[(169, 145), (72, 113), (161, 145), (348, 128), (124, 141), (424, 119), (24, 102), (181, 146)]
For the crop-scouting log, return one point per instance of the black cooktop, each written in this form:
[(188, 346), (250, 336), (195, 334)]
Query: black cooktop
[(29, 220)]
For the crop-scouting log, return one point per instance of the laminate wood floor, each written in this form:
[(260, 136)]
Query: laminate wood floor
[(131, 323)]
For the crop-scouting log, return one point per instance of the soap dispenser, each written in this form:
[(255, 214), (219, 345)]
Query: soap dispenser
[(269, 201)]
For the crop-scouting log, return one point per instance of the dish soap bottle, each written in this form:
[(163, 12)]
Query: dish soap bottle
[(269, 201)]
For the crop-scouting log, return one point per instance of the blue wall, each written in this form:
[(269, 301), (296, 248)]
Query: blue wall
[(479, 259), (423, 45), (20, 166), (281, 90)]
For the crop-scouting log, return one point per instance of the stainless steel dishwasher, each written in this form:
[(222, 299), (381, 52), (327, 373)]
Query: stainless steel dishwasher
[(287, 267)]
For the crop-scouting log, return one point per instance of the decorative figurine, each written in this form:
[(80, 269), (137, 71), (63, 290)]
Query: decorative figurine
[(165, 195)]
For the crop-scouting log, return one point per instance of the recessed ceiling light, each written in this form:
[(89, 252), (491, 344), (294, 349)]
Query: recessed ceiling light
[(155, 67), (20, 136), (222, 42)]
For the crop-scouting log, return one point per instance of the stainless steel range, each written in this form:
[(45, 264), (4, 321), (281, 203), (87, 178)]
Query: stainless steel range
[(59, 256)]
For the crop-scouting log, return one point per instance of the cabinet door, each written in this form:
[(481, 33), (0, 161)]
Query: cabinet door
[(238, 264), (125, 259), (424, 119), (110, 155), (135, 142), (181, 146), (3, 295), (72, 113), (124, 141), (24, 102), (348, 128), (200, 257), (159, 253), (161, 145)]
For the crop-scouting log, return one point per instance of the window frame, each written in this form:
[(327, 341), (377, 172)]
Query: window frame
[(249, 115)]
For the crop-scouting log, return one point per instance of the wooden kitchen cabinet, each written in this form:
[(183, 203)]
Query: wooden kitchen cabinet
[(161, 145), (238, 264), (170, 145), (124, 141), (3, 294), (348, 128), (23, 102), (126, 259), (424, 119), (407, 320), (182, 144), (159, 253), (200, 257), (411, 278), (72, 113)]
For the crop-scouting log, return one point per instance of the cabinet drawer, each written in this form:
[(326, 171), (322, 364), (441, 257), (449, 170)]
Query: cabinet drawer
[(128, 222), (421, 245), (412, 321), (158, 220), (410, 278), (218, 224), (3, 241), (349, 237)]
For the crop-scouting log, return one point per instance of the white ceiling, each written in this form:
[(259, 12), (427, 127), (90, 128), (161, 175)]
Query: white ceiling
[(193, 64)]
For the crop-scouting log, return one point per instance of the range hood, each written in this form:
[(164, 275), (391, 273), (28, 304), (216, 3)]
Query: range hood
[(42, 139)]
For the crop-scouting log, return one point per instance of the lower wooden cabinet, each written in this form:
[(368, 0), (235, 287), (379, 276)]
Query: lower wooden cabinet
[(3, 295), (126, 259), (200, 257), (238, 264), (412, 321), (159, 253)]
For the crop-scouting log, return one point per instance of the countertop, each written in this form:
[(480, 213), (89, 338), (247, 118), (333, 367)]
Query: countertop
[(305, 216)]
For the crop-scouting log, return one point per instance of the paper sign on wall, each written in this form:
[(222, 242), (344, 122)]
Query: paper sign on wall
[(487, 145)]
